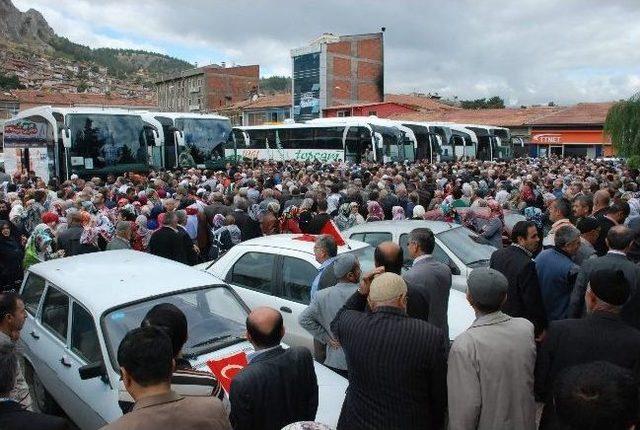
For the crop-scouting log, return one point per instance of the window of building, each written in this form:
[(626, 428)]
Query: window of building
[(343, 113), (274, 117), (373, 112)]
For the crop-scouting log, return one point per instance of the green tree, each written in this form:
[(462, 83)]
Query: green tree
[(9, 82), (623, 126), (494, 102), (276, 84), (82, 87)]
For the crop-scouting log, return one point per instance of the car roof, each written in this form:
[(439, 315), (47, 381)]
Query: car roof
[(400, 227), (287, 242), (103, 280)]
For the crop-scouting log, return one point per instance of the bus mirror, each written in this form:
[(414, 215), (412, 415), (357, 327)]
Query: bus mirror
[(378, 139), (66, 137), (156, 138)]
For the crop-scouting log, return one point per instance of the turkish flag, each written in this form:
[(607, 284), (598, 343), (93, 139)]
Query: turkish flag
[(226, 368), (331, 229)]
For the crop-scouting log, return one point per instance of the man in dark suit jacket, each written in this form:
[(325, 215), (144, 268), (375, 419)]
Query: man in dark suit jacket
[(601, 336), (610, 219), (279, 386), (187, 244), (217, 206), (524, 298), (390, 256), (69, 240), (397, 365), (618, 241), (320, 219), (249, 228), (12, 415), (166, 241), (429, 277)]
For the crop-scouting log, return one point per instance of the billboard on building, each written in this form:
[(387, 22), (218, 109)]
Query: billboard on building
[(306, 86)]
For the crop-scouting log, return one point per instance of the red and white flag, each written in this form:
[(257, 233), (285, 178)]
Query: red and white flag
[(331, 229), (228, 367)]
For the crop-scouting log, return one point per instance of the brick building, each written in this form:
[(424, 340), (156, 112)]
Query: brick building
[(380, 109), (337, 70), (207, 89), (266, 109)]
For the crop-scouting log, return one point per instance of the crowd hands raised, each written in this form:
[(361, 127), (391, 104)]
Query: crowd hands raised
[(557, 311)]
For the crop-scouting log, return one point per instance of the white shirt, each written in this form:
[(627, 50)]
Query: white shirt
[(421, 257)]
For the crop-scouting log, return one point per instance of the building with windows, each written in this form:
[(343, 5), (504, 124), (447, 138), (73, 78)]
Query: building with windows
[(337, 70), (381, 110), (207, 89), (263, 109)]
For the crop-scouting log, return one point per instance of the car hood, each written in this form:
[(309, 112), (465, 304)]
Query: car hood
[(331, 386)]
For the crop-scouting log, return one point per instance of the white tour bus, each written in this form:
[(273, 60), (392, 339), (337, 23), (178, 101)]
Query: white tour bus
[(434, 140), (88, 141), (203, 134), (392, 140), (493, 142), (340, 139)]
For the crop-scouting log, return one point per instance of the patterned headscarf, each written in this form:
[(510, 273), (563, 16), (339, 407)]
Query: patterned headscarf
[(398, 213), (374, 211), (255, 212), (218, 221), (534, 214)]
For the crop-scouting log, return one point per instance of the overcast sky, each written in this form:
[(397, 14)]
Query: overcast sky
[(526, 51)]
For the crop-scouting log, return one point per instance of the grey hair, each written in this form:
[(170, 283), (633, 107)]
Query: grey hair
[(123, 227), (565, 235), (182, 217), (274, 207), (240, 203), (8, 368), (169, 218), (327, 243)]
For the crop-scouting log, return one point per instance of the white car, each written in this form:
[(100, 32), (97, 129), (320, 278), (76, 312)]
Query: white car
[(454, 247), (278, 271), (79, 309)]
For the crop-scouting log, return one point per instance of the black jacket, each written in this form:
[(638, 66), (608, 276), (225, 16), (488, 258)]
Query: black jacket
[(605, 225), (187, 246), (317, 223), (631, 310), (524, 298), (69, 240), (249, 228), (397, 369), (14, 417), (599, 337), (167, 243), (277, 388)]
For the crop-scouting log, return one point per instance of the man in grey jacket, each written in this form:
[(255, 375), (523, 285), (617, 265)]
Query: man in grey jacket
[(429, 276), (481, 395), (12, 317), (326, 304)]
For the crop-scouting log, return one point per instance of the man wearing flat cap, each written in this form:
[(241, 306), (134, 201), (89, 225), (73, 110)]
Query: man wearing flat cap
[(397, 364), (491, 364), (601, 336)]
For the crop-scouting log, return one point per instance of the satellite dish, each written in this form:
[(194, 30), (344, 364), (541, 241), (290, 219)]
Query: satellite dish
[(254, 97)]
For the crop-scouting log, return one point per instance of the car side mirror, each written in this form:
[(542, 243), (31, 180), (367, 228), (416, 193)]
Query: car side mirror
[(93, 370)]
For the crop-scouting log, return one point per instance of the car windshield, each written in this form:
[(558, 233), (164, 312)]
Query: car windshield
[(471, 253), (215, 318)]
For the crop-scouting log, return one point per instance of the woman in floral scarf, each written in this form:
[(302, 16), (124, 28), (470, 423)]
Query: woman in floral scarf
[(345, 219), (289, 221), (374, 211), (41, 244), (225, 234), (141, 234), (398, 213)]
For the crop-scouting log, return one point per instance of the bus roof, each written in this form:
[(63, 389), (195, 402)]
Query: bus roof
[(195, 115), (40, 110), (284, 125)]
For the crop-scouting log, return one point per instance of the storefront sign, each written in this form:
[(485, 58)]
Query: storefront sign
[(547, 138)]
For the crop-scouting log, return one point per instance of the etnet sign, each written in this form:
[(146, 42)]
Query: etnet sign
[(547, 138)]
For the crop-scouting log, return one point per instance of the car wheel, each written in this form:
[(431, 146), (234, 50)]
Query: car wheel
[(42, 400)]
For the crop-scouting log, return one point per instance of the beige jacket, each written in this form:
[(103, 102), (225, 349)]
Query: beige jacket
[(490, 375), (172, 411)]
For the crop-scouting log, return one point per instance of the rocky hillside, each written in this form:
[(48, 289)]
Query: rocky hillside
[(31, 31)]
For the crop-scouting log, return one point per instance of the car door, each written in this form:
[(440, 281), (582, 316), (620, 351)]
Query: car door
[(93, 400), (52, 332), (296, 275), (252, 276)]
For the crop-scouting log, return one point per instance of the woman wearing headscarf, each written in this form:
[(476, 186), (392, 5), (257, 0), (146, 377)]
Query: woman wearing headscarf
[(305, 215), (492, 230), (11, 256), (289, 221), (269, 224), (418, 212), (141, 234), (225, 234), (374, 211), (344, 219), (41, 244), (397, 213)]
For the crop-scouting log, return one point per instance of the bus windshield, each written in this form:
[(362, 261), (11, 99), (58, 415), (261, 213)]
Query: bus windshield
[(205, 137), (107, 143)]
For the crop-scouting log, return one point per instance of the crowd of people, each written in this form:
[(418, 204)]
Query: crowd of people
[(557, 310)]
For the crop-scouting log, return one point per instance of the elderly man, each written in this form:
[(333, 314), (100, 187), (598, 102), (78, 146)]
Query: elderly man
[(589, 231), (316, 319), (557, 272), (559, 212), (602, 336), (122, 239), (495, 345), (406, 388)]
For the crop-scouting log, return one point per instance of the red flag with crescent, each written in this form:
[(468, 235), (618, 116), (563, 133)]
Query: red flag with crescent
[(226, 368), (331, 229)]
